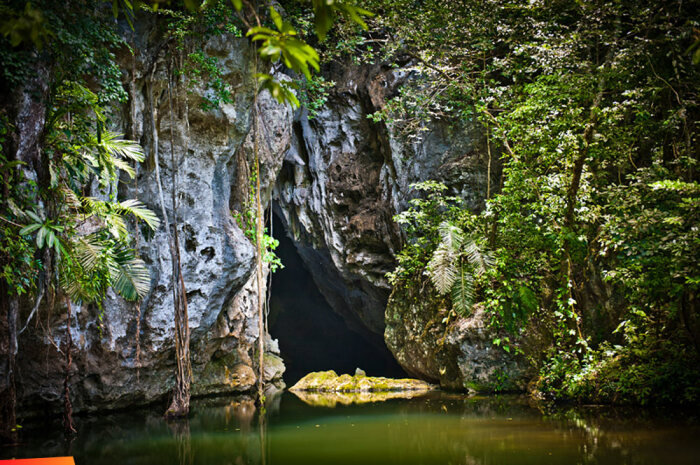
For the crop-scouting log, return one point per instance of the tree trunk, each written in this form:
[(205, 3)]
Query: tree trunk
[(259, 259), (180, 404), (8, 399), (68, 406)]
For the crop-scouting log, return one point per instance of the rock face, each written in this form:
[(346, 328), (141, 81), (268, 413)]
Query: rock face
[(336, 181), (341, 185), (458, 354), (212, 151), (345, 178)]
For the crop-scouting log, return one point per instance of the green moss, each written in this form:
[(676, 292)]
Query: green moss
[(329, 381)]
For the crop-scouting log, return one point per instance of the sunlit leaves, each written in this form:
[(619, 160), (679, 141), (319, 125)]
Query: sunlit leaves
[(280, 90), (137, 209), (97, 261), (453, 265), (283, 44), (30, 25), (325, 12)]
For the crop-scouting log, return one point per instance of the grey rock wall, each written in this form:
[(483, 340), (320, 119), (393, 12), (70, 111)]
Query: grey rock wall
[(212, 151), (336, 181)]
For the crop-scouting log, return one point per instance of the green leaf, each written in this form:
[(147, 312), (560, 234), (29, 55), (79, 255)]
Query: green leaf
[(34, 216), (139, 210), (129, 276), (40, 236), (29, 229), (463, 292), (276, 18), (442, 270)]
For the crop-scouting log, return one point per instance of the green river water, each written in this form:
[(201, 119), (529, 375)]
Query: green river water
[(437, 428)]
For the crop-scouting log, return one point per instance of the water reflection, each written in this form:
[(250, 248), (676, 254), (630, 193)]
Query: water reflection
[(435, 428), (181, 433)]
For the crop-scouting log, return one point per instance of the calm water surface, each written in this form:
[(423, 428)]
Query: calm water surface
[(436, 429)]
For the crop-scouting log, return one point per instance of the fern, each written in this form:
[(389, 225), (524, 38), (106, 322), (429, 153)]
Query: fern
[(478, 257), (441, 269), (121, 148), (448, 271), (100, 256), (452, 236), (463, 292)]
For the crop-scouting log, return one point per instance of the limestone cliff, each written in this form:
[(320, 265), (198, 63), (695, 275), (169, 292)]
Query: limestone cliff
[(336, 180)]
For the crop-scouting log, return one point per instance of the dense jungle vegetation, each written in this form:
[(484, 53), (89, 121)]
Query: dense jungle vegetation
[(590, 234), (587, 243)]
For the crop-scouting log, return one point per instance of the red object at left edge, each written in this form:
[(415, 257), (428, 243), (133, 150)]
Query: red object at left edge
[(44, 461)]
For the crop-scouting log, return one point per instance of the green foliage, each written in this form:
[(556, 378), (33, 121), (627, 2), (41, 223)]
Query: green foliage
[(591, 108), (440, 249), (421, 224), (26, 25), (282, 44), (246, 220), (325, 12), (647, 368), (314, 93), (203, 70), (87, 238)]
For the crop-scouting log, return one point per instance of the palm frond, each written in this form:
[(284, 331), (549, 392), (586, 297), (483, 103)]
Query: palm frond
[(136, 208), (124, 166), (70, 198), (463, 292), (114, 145), (117, 226), (478, 257), (451, 236), (442, 270), (88, 251), (129, 276)]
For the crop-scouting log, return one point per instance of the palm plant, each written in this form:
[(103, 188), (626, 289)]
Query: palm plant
[(455, 262)]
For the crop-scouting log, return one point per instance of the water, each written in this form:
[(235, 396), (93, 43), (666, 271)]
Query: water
[(435, 429)]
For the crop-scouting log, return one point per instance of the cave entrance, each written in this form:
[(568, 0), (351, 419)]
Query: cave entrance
[(312, 337)]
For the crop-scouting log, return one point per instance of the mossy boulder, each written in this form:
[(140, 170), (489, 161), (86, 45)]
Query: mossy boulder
[(332, 399), (330, 381), (457, 353)]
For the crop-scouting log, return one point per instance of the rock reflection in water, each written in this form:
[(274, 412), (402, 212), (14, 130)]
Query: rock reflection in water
[(426, 428), (331, 399)]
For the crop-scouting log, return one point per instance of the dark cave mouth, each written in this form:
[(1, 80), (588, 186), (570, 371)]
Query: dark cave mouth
[(312, 337)]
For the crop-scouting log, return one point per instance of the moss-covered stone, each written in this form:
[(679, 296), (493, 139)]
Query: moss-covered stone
[(456, 352), (332, 399), (329, 381)]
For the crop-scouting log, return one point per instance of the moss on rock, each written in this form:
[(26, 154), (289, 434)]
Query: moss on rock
[(330, 381)]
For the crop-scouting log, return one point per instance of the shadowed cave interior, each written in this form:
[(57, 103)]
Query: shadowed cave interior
[(312, 337)]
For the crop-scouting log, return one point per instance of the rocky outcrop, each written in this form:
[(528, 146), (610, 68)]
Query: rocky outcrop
[(333, 399), (336, 180), (347, 176), (458, 354), (341, 185), (330, 381), (124, 353)]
